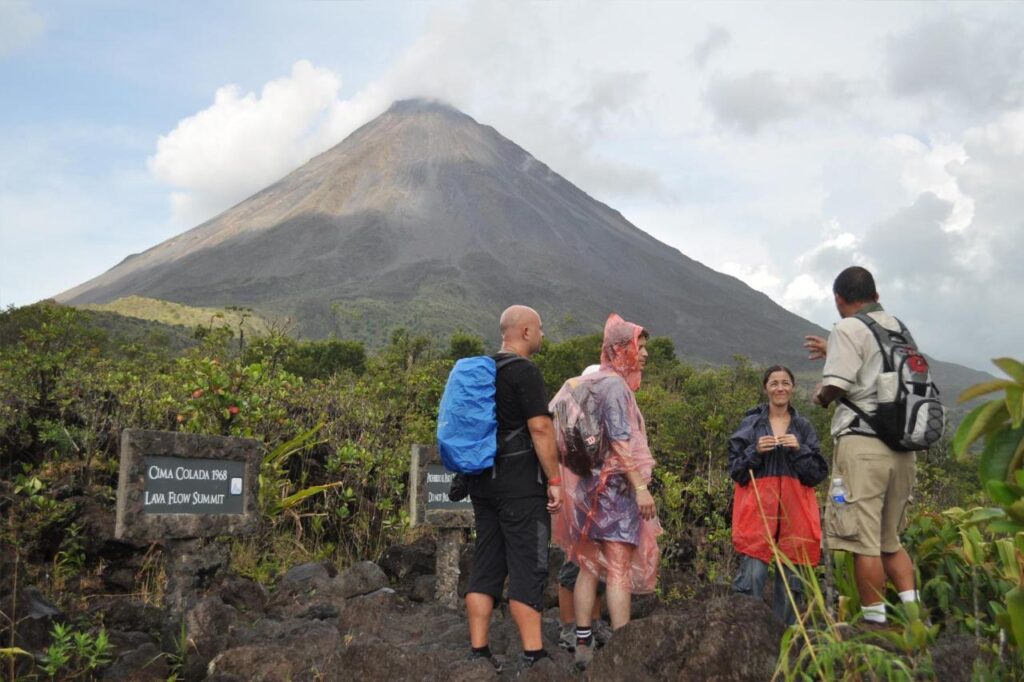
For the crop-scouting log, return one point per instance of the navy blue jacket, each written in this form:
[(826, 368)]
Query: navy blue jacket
[(807, 464)]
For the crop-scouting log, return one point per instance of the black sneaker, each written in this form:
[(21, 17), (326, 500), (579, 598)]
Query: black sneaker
[(490, 658)]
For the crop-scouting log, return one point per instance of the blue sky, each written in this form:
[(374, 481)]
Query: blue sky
[(775, 142)]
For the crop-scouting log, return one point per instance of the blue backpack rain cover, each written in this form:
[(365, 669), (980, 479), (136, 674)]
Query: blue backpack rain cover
[(467, 420)]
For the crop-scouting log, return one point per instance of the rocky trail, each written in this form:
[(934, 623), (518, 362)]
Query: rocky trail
[(374, 622)]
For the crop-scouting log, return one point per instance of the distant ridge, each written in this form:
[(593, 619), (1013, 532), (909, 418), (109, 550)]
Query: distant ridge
[(426, 219), (166, 312)]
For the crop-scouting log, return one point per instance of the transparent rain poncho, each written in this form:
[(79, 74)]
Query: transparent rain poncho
[(600, 524)]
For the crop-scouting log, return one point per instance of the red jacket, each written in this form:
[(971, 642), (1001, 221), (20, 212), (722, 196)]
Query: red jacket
[(785, 480)]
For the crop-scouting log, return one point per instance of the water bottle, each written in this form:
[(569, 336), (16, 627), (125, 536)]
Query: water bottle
[(838, 492)]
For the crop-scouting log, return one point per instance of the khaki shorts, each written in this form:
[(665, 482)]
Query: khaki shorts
[(880, 482)]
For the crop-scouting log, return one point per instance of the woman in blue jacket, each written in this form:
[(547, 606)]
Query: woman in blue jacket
[(775, 460)]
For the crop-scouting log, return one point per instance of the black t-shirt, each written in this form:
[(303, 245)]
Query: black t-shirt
[(519, 396)]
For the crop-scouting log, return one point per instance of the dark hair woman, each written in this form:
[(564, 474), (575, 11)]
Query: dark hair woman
[(775, 460)]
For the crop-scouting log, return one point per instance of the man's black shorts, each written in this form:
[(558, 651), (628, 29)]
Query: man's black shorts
[(512, 537)]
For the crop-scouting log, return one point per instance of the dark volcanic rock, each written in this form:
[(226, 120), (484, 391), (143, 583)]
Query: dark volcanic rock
[(35, 616), (143, 664), (320, 612), (304, 573), (415, 559), (732, 638), (305, 584), (953, 657), (302, 654), (361, 578), (245, 594), (128, 615), (192, 567), (96, 519), (208, 626), (423, 588)]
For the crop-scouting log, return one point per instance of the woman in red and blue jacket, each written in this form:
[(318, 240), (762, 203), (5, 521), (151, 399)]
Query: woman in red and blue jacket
[(781, 450)]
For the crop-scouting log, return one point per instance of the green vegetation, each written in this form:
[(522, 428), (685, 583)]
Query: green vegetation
[(73, 654), (337, 424)]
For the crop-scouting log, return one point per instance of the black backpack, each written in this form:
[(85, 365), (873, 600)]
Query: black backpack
[(576, 411)]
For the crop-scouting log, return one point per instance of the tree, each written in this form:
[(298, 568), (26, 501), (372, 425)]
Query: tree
[(463, 345)]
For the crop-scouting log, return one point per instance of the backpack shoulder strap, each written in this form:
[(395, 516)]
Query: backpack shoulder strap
[(907, 336), (498, 364), (881, 339)]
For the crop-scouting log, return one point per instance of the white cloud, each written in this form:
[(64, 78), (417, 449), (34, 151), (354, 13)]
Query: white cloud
[(926, 169), (805, 290), (245, 141), (20, 26), (761, 277)]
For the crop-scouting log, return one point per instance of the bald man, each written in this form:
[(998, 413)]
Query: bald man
[(513, 501)]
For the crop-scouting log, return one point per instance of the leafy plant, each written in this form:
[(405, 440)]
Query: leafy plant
[(70, 559), (275, 495), (999, 422), (74, 653), (34, 489)]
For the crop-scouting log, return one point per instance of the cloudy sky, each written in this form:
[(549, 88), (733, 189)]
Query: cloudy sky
[(778, 143)]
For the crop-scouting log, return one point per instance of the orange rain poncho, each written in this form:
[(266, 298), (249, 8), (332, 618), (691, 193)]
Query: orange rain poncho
[(600, 518)]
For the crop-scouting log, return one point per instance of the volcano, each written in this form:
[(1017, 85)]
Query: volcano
[(425, 219)]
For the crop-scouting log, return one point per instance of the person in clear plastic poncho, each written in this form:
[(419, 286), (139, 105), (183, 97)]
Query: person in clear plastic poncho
[(608, 523)]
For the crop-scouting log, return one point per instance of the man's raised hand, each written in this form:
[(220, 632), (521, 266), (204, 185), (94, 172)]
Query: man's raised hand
[(816, 347)]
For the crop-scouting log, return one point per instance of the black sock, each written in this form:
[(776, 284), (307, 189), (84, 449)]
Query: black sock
[(535, 656), (484, 650)]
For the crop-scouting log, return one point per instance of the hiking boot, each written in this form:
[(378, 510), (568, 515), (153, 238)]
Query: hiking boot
[(476, 655), (602, 632), (584, 653), (567, 637)]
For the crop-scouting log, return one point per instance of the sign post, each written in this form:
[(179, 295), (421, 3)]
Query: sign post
[(176, 487), (430, 505)]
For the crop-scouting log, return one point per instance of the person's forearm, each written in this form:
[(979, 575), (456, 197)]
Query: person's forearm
[(547, 453), (827, 394), (542, 433)]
